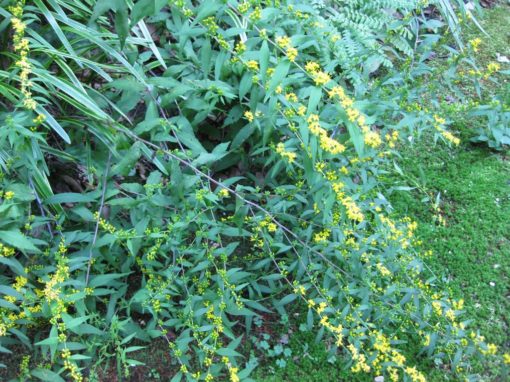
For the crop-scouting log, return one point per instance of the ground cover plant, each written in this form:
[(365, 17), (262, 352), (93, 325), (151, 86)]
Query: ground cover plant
[(178, 172)]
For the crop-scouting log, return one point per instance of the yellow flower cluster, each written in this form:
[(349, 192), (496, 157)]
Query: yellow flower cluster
[(371, 138), (20, 282), (352, 209), (252, 65), (212, 28), (291, 53), (70, 366), (492, 68), (336, 330), (320, 77), (6, 251), (231, 370), (103, 224), (268, 224), (292, 97), (300, 290), (243, 7), (359, 359), (285, 43), (223, 193), (328, 144), (215, 319), (475, 43), (21, 47), (312, 67), (288, 155), (322, 236), (7, 195), (439, 126), (249, 116), (24, 370), (51, 291), (383, 270), (415, 375), (256, 15), (392, 138)]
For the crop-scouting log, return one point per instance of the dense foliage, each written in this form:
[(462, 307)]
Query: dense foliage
[(174, 170)]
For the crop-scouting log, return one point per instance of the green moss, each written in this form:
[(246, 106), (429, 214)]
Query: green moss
[(472, 249)]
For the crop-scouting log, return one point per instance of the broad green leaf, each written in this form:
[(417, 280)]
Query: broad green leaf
[(16, 239), (279, 74), (70, 197), (46, 375)]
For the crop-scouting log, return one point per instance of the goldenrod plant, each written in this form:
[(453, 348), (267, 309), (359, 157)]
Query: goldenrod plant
[(172, 170)]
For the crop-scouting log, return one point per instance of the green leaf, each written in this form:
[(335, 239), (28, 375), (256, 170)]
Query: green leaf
[(315, 97), (101, 280), (71, 197), (207, 158), (187, 136), (226, 352), (122, 25), (46, 375), (264, 59), (356, 138), (54, 124), (141, 9), (16, 239), (10, 292), (287, 299), (100, 7), (245, 84), (279, 74), (14, 264)]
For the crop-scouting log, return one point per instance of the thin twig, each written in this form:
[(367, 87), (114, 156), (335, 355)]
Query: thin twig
[(103, 192), (39, 203)]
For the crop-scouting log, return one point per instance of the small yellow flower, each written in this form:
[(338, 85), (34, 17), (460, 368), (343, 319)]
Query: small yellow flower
[(292, 97), (8, 195), (253, 65), (475, 43), (283, 42), (321, 78), (492, 349), (493, 67), (249, 116), (383, 270), (312, 67), (322, 307), (271, 227), (291, 53)]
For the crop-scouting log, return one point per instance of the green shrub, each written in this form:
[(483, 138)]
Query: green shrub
[(191, 167)]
